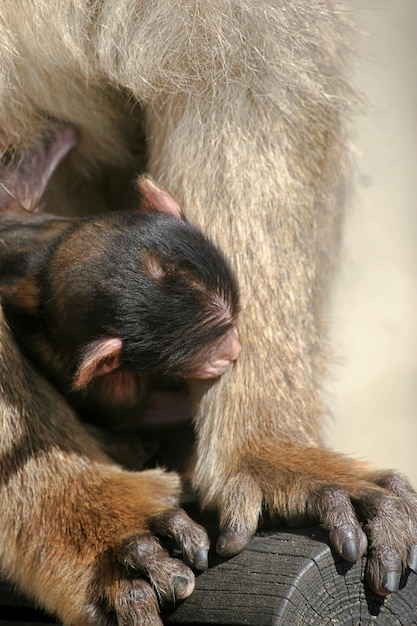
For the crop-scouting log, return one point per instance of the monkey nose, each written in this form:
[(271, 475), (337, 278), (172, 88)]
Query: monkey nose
[(223, 356), (232, 345)]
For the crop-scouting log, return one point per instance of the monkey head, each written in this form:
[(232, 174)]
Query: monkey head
[(141, 292)]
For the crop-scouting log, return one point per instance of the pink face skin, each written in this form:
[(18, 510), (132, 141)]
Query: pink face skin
[(165, 407), (122, 388), (103, 357), (220, 359)]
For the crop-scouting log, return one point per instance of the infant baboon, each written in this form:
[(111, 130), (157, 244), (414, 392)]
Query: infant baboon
[(104, 303), (239, 110)]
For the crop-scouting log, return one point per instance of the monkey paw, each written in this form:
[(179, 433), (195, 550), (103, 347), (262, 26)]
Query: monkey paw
[(117, 548), (140, 574), (360, 508)]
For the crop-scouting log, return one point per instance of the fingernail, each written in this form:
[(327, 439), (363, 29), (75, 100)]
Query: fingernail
[(412, 558), (350, 550), (201, 559), (180, 585), (391, 582)]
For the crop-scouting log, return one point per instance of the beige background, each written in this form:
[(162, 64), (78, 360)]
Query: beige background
[(373, 391)]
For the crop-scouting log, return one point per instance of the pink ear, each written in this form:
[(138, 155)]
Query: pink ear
[(24, 181), (101, 357), (155, 199)]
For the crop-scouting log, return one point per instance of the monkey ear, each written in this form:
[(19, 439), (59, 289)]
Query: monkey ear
[(101, 357), (156, 200), (24, 180)]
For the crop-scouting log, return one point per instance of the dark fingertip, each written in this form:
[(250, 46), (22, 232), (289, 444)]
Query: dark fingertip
[(201, 559), (222, 547), (350, 550), (221, 544), (231, 542), (180, 586), (225, 545), (391, 582), (412, 558)]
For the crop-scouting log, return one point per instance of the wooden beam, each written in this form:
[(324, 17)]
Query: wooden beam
[(293, 578)]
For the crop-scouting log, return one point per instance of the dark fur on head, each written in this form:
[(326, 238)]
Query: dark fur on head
[(154, 281)]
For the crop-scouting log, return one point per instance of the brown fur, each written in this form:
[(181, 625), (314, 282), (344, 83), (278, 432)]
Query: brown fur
[(244, 109), (24, 293), (80, 506)]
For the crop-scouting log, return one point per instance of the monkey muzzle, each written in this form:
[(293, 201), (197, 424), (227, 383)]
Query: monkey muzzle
[(220, 359)]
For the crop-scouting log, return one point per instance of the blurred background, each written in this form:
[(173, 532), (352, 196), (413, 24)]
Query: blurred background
[(373, 388)]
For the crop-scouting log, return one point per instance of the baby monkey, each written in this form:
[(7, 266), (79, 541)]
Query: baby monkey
[(105, 304)]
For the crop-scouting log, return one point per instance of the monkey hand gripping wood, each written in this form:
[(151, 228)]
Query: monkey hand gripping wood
[(243, 107)]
